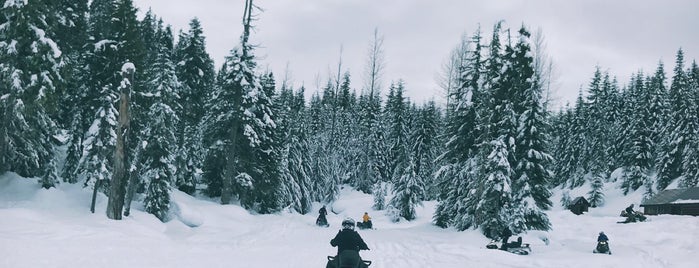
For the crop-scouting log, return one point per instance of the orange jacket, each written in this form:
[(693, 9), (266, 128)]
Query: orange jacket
[(366, 217)]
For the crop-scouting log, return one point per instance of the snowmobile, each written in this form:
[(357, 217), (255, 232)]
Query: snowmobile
[(322, 221), (635, 216), (516, 247), (602, 247), (367, 225), (349, 259)]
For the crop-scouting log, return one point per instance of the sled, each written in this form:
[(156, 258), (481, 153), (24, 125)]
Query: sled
[(349, 259)]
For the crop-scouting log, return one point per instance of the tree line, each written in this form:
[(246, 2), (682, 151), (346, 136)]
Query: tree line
[(490, 156)]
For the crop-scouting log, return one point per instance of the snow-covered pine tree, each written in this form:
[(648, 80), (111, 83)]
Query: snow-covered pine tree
[(427, 147), (679, 128), (30, 75), (379, 193), (195, 70), (640, 155), (158, 154), (690, 164), (463, 132), (397, 116), (596, 195), (408, 191), (532, 174), (70, 30)]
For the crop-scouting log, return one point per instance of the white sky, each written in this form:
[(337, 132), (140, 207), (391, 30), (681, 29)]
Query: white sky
[(622, 36)]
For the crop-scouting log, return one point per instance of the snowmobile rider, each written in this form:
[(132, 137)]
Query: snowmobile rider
[(629, 209), (602, 237), (506, 233), (347, 239), (322, 211), (321, 216), (366, 221)]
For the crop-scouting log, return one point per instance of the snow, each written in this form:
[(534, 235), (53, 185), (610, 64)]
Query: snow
[(128, 67), (686, 201), (48, 41), (56, 225)]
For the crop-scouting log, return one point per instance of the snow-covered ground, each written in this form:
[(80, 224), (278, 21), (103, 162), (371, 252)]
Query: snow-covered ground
[(53, 228)]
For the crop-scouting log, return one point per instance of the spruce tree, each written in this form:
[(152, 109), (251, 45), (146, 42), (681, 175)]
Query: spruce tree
[(158, 155), (30, 74), (195, 70), (408, 191)]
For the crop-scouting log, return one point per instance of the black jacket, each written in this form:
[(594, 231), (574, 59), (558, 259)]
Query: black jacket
[(322, 211), (348, 239)]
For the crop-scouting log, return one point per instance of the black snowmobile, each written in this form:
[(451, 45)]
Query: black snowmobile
[(602, 247), (349, 259), (635, 216), (516, 247), (367, 225)]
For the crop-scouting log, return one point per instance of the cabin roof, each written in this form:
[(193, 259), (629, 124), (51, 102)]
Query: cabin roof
[(674, 196)]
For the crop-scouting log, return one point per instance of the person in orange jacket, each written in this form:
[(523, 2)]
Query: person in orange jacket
[(366, 221)]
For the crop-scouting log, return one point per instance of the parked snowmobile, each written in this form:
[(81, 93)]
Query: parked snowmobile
[(516, 247), (634, 216), (365, 225), (602, 247), (349, 259)]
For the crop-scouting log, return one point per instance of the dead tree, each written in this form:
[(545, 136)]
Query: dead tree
[(117, 189)]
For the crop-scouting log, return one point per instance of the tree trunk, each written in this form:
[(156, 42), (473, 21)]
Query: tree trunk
[(117, 189)]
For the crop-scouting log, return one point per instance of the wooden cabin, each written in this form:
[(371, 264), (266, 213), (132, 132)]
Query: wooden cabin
[(579, 205), (673, 201)]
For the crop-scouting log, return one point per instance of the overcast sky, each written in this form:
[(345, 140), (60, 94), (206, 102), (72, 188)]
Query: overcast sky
[(621, 36)]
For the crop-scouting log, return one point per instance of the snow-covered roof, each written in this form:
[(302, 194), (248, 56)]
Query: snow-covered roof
[(676, 196)]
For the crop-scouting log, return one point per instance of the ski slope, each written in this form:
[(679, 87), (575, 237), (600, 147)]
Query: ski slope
[(53, 228)]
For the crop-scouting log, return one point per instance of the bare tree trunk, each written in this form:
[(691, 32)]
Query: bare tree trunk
[(117, 189), (94, 195), (130, 191)]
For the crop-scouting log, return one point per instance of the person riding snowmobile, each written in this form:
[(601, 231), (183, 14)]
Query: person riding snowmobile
[(348, 242), (602, 244), (505, 235), (322, 220)]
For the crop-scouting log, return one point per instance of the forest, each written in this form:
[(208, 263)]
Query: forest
[(490, 155)]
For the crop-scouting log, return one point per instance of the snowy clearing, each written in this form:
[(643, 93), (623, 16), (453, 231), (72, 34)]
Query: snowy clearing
[(53, 228)]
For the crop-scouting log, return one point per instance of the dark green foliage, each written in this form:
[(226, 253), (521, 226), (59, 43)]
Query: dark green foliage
[(30, 77)]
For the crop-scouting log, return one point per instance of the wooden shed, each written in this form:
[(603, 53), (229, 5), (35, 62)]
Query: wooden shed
[(674, 201), (579, 205)]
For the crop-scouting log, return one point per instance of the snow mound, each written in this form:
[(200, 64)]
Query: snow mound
[(181, 210)]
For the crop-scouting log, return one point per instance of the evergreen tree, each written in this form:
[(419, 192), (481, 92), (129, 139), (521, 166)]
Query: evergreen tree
[(195, 70), (30, 73), (408, 192), (639, 155), (679, 128), (532, 174), (158, 155), (596, 195)]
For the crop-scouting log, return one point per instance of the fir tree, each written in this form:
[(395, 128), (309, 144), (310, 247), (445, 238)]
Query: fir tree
[(30, 73), (596, 195), (158, 163), (195, 70), (408, 192)]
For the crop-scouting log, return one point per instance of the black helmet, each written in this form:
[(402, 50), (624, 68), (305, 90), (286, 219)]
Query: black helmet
[(348, 223)]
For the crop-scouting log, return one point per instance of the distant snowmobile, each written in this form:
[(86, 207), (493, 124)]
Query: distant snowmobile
[(634, 216), (602, 247), (516, 247)]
